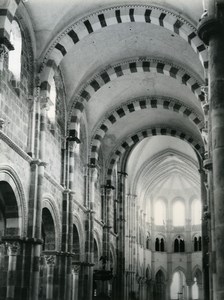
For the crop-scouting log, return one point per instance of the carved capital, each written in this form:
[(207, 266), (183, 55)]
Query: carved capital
[(76, 268), (3, 52), (45, 103), (13, 247), (208, 27), (50, 259)]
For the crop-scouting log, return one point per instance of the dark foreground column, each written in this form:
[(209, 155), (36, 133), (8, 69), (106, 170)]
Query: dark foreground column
[(211, 30)]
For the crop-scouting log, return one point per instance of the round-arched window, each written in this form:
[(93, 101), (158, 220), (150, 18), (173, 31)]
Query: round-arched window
[(14, 63), (178, 213), (159, 213), (52, 96), (196, 211)]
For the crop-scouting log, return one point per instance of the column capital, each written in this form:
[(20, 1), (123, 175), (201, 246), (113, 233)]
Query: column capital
[(108, 187), (76, 268), (122, 173), (45, 102), (207, 164), (4, 41), (13, 247), (50, 259), (3, 52), (209, 26)]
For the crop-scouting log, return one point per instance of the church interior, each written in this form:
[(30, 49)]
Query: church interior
[(111, 149)]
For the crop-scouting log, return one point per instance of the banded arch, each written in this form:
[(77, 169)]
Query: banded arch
[(7, 14), (153, 102), (114, 16), (16, 210), (127, 68), (139, 136)]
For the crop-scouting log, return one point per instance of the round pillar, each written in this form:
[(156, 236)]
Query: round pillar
[(211, 30)]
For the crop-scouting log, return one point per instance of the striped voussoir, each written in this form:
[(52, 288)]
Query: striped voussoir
[(15, 205), (156, 131), (124, 69), (117, 15), (7, 13), (136, 105)]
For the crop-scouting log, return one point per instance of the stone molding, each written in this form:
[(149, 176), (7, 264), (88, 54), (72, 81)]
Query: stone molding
[(15, 147), (102, 11)]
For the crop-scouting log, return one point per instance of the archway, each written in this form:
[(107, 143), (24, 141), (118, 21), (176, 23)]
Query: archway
[(48, 230), (159, 292), (178, 286), (197, 285), (10, 231), (10, 224), (76, 244), (47, 261)]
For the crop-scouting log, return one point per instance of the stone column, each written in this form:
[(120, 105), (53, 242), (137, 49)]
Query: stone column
[(211, 31), (108, 221), (13, 250), (71, 185), (120, 281), (207, 202), (75, 281), (51, 260), (87, 268), (205, 236), (37, 194), (189, 289)]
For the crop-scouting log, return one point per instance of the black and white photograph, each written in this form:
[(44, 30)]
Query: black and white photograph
[(111, 149)]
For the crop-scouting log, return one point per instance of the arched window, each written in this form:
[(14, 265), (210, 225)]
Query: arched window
[(14, 63), (196, 211), (52, 96), (162, 248), (48, 230), (148, 242), (159, 213), (182, 245), (197, 243), (178, 214), (176, 245), (179, 245), (157, 244), (76, 244)]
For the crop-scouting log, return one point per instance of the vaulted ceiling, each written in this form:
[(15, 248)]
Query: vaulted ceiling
[(139, 62)]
